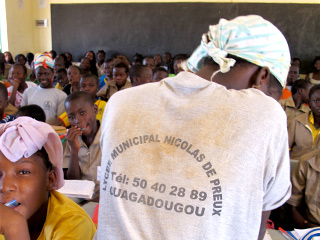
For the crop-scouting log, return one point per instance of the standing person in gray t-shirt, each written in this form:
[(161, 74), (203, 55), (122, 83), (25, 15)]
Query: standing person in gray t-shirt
[(188, 158)]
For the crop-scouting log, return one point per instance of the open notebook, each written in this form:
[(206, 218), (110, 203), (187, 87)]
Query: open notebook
[(78, 188)]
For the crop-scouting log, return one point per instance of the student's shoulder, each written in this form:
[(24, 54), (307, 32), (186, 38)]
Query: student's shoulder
[(257, 101), (31, 90), (100, 103), (31, 84), (58, 92), (63, 213), (303, 118), (64, 207)]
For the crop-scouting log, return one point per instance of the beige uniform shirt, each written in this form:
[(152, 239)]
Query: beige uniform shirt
[(290, 108), (306, 187), (300, 137), (111, 88), (89, 159)]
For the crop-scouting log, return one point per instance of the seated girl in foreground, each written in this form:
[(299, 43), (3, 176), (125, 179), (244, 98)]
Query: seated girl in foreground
[(30, 172)]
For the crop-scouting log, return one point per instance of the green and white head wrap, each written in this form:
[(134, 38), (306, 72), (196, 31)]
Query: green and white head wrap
[(248, 37)]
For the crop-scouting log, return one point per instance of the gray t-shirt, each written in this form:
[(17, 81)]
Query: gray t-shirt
[(186, 158), (51, 100)]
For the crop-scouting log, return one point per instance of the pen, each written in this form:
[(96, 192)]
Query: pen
[(11, 203), (286, 235), (62, 136)]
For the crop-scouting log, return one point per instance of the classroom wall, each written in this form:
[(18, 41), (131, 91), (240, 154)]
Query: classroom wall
[(19, 27), (24, 36)]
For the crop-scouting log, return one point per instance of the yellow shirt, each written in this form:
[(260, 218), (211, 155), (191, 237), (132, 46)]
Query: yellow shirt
[(65, 220), (101, 105), (315, 131), (58, 86)]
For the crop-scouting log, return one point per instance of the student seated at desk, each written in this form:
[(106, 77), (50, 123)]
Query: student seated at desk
[(4, 68), (159, 74), (82, 154), (89, 83), (120, 75), (45, 95), (304, 200), (34, 111), (74, 76), (304, 130), (296, 104), (140, 74), (19, 84), (30, 172), (107, 76), (314, 77), (3, 104), (62, 79)]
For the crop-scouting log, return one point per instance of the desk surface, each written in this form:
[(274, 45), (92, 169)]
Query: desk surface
[(273, 235)]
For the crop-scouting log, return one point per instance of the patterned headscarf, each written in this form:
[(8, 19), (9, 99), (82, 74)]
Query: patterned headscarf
[(248, 37), (43, 60), (25, 136)]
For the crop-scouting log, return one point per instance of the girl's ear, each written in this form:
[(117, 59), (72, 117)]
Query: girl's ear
[(300, 90), (95, 107), (261, 78), (52, 178)]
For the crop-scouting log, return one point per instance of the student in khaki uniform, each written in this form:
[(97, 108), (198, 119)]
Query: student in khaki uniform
[(295, 105), (305, 192), (88, 83), (304, 130), (119, 82), (82, 154)]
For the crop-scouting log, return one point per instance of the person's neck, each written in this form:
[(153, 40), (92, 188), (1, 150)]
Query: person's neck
[(88, 139), (297, 100), (75, 87), (316, 120), (37, 220), (85, 71), (23, 86), (316, 75), (2, 115), (47, 87), (120, 86)]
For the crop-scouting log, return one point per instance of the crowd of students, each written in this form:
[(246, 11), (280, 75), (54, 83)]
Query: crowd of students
[(61, 92), (52, 88)]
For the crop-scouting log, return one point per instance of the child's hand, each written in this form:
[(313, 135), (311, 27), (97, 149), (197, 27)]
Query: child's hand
[(12, 224), (72, 137), (16, 83)]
